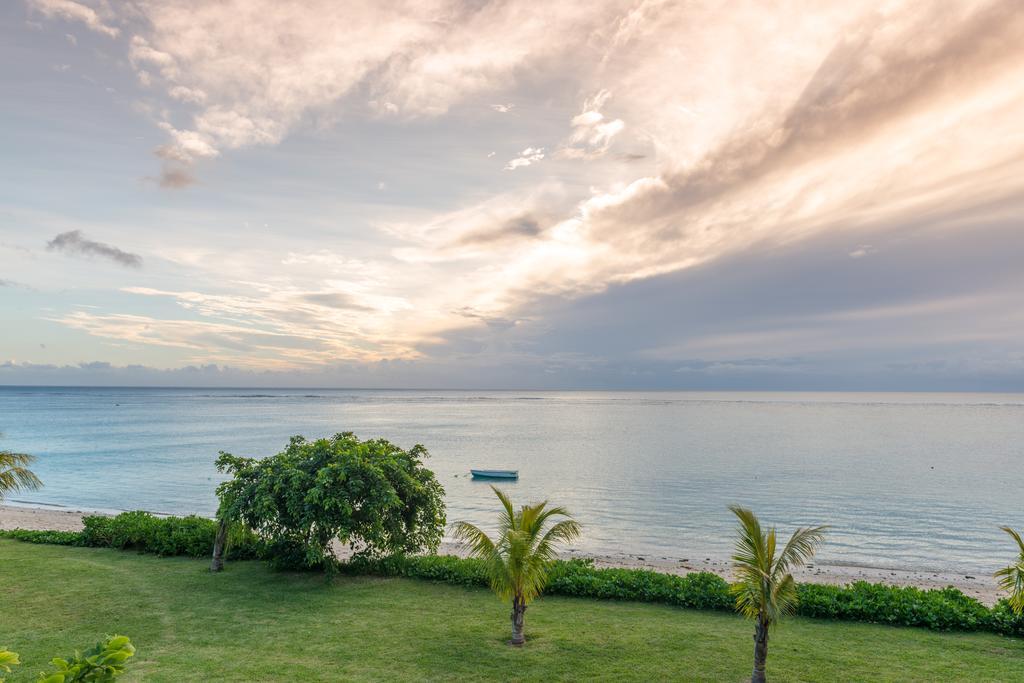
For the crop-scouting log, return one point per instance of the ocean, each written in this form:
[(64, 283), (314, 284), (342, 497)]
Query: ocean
[(914, 481)]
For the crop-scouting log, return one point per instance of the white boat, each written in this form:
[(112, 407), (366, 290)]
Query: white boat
[(495, 474)]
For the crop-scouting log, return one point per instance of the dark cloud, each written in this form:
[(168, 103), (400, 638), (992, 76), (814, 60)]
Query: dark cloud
[(927, 310), (525, 226), (75, 243), (334, 300), (176, 178)]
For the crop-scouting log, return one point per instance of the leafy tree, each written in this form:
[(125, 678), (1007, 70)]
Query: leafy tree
[(14, 473), (372, 495), (518, 562), (1012, 578), (765, 590)]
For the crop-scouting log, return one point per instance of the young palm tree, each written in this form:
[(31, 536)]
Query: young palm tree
[(14, 473), (518, 560), (1012, 578), (765, 590)]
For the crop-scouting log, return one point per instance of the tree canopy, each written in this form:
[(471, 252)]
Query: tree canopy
[(372, 495)]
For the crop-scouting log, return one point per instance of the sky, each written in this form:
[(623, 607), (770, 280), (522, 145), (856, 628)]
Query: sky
[(599, 194)]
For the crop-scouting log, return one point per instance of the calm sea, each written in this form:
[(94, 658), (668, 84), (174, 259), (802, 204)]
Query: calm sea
[(907, 480)]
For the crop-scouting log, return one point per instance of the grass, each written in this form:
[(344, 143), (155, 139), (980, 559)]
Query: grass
[(249, 623)]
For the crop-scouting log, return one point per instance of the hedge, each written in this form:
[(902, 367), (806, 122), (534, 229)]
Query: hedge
[(945, 609), (190, 536)]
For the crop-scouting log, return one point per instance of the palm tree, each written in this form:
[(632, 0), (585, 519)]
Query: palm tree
[(765, 590), (518, 561), (14, 473), (1012, 578)]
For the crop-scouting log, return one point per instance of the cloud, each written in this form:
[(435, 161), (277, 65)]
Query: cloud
[(176, 178), (524, 226), (760, 128), (503, 108), (592, 132), (528, 156), (69, 10), (335, 300), (75, 243), (412, 58)]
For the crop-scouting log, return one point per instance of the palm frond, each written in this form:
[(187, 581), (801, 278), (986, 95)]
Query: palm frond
[(507, 518), (1016, 537), (480, 544), (800, 548), (1011, 579), (14, 473), (764, 587)]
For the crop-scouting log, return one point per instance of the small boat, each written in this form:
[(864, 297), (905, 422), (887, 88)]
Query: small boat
[(495, 474)]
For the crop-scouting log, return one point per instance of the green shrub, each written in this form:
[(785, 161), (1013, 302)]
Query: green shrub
[(47, 537), (1004, 619), (191, 536), (945, 609), (938, 609)]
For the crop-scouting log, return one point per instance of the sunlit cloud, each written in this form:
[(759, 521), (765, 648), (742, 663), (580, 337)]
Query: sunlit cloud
[(681, 134)]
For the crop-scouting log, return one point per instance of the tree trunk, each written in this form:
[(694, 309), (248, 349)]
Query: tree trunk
[(518, 612), (760, 650), (218, 546)]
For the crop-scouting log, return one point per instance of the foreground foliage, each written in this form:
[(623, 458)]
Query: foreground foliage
[(372, 495), (101, 664), (518, 561), (252, 624)]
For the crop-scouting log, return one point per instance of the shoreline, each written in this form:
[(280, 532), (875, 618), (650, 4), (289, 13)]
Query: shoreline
[(981, 587)]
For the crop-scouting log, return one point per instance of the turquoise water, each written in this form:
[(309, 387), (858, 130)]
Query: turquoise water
[(907, 480)]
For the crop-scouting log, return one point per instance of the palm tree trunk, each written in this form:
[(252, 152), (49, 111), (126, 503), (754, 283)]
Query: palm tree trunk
[(760, 650), (218, 546), (518, 612)]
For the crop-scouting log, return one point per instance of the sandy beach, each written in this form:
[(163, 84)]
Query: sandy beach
[(979, 586)]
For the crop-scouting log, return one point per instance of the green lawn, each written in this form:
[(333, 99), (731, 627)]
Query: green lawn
[(249, 623)]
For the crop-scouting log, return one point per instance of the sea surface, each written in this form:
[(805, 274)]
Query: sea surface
[(918, 481)]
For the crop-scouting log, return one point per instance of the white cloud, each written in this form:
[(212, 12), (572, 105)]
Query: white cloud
[(503, 108), (592, 131), (69, 10), (528, 156)]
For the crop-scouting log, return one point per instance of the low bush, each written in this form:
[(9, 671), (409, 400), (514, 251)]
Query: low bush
[(945, 609), (938, 609), (190, 536), (47, 537)]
